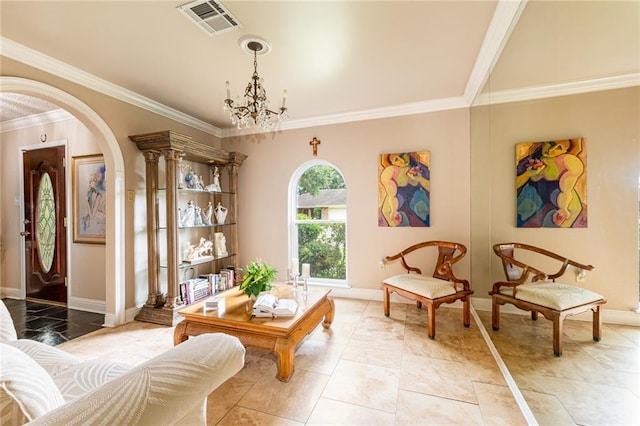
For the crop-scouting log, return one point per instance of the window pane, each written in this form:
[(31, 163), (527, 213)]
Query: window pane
[(322, 245), (46, 222), (320, 218)]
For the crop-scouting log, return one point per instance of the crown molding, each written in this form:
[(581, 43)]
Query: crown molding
[(26, 55), (503, 22), (370, 114), (35, 120), (563, 89)]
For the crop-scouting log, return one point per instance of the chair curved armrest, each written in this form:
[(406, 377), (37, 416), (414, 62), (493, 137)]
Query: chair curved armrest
[(564, 266), (446, 270), (496, 287), (448, 254)]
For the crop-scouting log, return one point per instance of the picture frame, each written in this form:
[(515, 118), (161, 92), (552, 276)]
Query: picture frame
[(404, 189), (89, 199)]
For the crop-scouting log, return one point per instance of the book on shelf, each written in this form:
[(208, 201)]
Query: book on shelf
[(267, 305), (194, 289)]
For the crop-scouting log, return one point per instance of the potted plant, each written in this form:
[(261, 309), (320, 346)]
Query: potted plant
[(257, 277)]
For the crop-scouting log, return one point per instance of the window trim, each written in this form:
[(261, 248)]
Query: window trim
[(292, 222)]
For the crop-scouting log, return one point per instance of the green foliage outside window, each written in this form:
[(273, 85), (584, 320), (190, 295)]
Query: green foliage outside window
[(319, 177), (322, 245)]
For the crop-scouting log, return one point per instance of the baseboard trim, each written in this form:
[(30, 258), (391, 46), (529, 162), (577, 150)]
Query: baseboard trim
[(611, 316), (11, 293), (88, 305)]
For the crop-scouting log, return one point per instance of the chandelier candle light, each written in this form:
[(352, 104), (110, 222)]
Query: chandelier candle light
[(255, 110)]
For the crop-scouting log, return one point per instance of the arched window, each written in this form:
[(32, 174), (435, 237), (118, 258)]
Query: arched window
[(318, 221)]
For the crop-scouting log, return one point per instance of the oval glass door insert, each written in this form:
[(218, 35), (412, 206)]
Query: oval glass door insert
[(46, 222)]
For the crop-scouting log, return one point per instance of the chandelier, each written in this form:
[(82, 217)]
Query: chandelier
[(255, 108)]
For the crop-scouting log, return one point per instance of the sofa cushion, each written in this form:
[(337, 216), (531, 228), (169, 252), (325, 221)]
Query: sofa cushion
[(552, 295), (86, 376), (7, 330), (162, 391), (53, 360), (26, 390), (423, 285)]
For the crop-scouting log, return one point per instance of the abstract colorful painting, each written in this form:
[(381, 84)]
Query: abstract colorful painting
[(403, 189), (551, 184)]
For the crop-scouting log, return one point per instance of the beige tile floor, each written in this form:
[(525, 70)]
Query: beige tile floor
[(592, 383), (371, 370)]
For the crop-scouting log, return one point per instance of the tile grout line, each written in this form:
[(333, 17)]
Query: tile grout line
[(522, 403)]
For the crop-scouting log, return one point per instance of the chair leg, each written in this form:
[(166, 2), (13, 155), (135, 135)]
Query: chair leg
[(534, 315), (385, 302), (431, 321), (465, 312), (495, 314), (597, 324), (557, 334)]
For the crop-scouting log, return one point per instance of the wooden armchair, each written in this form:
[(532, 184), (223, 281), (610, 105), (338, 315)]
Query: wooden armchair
[(442, 287), (532, 289)]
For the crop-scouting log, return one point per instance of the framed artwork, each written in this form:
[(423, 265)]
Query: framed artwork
[(551, 184), (89, 202), (403, 189)]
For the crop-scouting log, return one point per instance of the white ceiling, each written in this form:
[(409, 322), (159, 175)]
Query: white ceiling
[(338, 60)]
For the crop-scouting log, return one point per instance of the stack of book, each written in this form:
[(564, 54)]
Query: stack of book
[(195, 289)]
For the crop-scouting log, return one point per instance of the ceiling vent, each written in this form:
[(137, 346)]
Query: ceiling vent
[(210, 15)]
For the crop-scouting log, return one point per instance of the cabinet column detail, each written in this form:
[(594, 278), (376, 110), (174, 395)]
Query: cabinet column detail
[(172, 160), (233, 188), (151, 168)]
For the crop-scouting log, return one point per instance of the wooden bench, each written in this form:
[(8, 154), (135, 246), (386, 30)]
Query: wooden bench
[(431, 291), (530, 289)]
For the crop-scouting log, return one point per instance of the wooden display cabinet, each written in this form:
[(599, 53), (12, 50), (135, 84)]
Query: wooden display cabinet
[(164, 237)]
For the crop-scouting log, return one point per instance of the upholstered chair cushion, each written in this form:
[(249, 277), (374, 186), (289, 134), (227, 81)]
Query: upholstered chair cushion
[(7, 330), (429, 287), (53, 360), (27, 392), (83, 378), (553, 295)]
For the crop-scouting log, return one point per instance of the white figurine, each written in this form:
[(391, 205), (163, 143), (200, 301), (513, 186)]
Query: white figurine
[(215, 185), (188, 215), (206, 214), (197, 218), (221, 213), (220, 244)]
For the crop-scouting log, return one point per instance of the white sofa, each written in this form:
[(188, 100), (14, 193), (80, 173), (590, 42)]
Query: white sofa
[(43, 385)]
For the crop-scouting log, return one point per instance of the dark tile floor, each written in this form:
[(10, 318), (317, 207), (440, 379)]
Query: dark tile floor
[(50, 324)]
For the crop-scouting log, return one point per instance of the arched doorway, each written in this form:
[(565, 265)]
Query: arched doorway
[(114, 255)]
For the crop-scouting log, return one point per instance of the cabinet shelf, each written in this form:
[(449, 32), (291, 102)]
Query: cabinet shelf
[(185, 265), (213, 225), (200, 191)]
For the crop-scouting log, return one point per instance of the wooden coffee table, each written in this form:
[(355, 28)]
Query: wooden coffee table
[(280, 335)]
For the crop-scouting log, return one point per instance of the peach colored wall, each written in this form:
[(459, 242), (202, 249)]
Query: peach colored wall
[(354, 148), (610, 121)]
